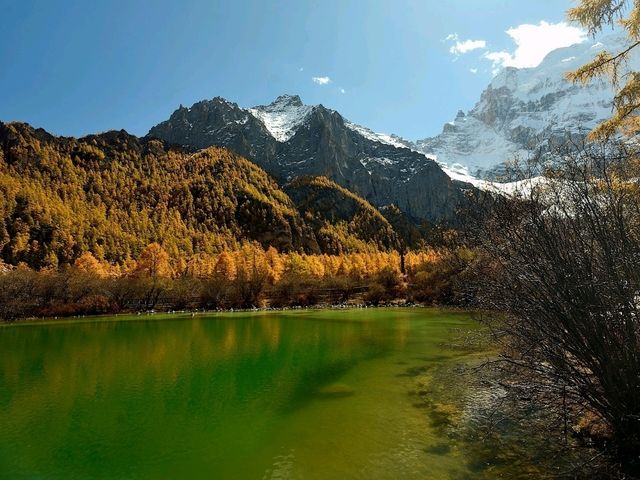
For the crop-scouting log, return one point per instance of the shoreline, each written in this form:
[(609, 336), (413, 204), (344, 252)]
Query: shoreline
[(132, 316)]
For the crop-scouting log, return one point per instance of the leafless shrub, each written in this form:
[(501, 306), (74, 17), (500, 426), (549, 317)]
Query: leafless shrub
[(564, 257)]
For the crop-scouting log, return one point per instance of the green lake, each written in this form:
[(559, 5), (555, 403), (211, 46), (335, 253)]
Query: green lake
[(335, 394)]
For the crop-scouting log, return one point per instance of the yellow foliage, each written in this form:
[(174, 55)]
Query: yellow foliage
[(154, 262), (226, 266), (594, 15), (87, 263)]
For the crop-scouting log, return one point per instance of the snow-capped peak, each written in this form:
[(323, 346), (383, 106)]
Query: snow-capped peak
[(283, 116), (521, 107)]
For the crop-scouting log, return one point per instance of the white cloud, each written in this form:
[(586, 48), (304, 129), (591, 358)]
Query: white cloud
[(342, 90), (533, 42), (467, 46), (473, 70), (321, 80), (301, 69), (464, 46)]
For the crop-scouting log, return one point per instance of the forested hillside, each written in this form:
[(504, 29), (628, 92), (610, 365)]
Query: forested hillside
[(342, 221), (113, 194)]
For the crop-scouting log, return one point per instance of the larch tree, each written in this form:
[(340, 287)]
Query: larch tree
[(87, 263), (276, 265), (594, 16), (226, 266), (154, 262)]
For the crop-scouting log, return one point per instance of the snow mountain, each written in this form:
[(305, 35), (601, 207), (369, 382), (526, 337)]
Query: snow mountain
[(522, 108)]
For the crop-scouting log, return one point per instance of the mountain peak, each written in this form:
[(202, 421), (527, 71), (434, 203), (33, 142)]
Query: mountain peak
[(283, 116), (288, 100), (521, 107)]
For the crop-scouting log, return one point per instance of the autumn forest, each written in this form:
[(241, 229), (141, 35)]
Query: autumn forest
[(113, 223)]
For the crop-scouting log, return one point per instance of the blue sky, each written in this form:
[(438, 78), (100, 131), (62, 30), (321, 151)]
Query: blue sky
[(396, 66)]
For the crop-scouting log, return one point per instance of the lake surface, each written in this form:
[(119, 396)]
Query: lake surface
[(303, 395)]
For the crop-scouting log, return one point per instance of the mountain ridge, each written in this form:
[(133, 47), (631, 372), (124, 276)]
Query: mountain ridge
[(289, 139)]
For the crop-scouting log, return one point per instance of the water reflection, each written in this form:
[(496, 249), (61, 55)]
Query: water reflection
[(194, 397)]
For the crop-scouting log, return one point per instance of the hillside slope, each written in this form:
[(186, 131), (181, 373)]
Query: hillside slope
[(112, 194), (342, 221)]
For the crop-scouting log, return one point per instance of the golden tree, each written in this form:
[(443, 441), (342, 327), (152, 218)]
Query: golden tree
[(594, 15), (226, 266), (87, 263), (154, 262), (276, 265)]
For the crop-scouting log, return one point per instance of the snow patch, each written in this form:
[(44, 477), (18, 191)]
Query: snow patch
[(379, 160), (509, 189), (283, 117), (392, 140)]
